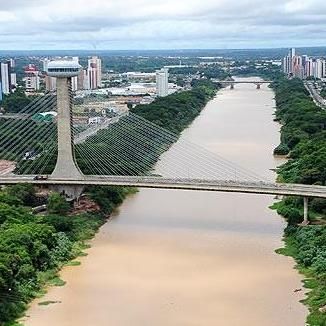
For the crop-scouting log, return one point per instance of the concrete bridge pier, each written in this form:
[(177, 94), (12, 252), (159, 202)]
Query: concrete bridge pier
[(305, 211), (232, 86), (258, 85)]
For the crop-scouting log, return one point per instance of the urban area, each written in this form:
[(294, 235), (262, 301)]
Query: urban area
[(173, 115)]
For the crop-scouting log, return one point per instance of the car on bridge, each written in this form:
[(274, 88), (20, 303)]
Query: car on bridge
[(41, 177)]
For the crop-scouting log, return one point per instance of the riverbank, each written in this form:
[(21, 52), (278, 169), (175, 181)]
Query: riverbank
[(303, 139)]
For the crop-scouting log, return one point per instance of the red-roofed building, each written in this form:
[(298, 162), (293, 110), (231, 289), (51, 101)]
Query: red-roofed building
[(32, 78)]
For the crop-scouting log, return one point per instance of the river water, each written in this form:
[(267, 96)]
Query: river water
[(191, 258)]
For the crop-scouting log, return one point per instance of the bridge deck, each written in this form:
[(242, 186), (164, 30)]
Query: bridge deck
[(242, 81), (182, 184)]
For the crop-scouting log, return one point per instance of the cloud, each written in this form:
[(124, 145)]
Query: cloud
[(160, 24)]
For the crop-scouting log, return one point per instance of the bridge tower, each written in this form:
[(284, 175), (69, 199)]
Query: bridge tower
[(66, 167)]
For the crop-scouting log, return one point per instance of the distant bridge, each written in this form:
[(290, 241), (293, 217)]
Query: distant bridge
[(231, 83)]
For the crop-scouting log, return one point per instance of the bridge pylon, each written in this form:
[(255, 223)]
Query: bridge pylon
[(66, 166)]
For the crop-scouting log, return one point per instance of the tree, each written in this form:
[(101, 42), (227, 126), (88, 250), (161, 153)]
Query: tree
[(57, 204), (15, 102)]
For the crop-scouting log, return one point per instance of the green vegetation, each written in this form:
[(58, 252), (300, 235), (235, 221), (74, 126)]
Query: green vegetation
[(303, 138), (57, 204), (13, 139), (177, 111), (34, 248), (323, 93), (16, 101)]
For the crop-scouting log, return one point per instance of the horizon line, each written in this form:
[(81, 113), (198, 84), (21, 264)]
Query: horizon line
[(169, 49)]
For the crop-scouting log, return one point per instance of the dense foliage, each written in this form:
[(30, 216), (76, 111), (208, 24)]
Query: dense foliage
[(57, 204), (16, 101), (323, 93), (177, 111), (303, 138), (33, 248)]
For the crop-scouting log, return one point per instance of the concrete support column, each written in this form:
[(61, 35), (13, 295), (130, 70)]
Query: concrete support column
[(258, 86), (66, 167), (232, 86), (305, 210)]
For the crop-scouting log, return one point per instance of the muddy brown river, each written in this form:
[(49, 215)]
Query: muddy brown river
[(174, 258)]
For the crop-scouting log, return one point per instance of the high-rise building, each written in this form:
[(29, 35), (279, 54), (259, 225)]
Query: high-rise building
[(319, 68), (85, 78), (289, 61), (32, 78), (303, 66), (94, 73), (309, 68), (74, 80), (46, 61), (5, 77), (12, 63), (162, 82), (74, 83), (297, 67), (13, 79), (81, 79)]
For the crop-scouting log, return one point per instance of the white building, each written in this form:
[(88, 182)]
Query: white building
[(32, 78), (12, 63), (5, 78), (13, 79), (84, 79), (309, 68), (162, 82), (95, 120), (74, 80), (46, 61), (319, 68)]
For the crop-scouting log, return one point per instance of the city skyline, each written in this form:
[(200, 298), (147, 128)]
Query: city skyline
[(102, 25), (303, 66)]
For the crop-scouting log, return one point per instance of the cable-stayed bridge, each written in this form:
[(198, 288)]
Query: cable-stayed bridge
[(123, 150)]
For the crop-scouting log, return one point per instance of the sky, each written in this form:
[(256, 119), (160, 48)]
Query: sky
[(158, 24)]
